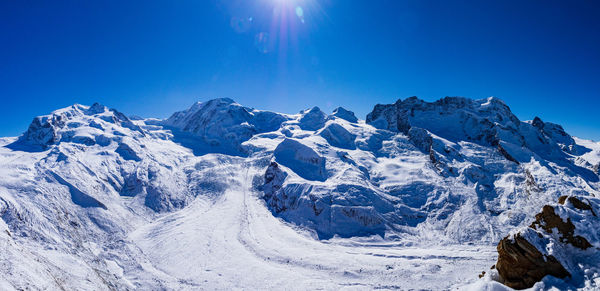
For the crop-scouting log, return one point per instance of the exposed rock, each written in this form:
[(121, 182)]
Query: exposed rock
[(505, 154), (274, 178), (521, 265), (550, 245), (576, 203), (548, 220), (421, 139), (43, 130), (487, 122), (530, 183)]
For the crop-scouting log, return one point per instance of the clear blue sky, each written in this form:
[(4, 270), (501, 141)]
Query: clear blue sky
[(151, 58)]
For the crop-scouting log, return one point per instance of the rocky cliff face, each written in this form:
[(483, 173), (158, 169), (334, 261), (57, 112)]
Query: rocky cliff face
[(78, 123), (488, 122)]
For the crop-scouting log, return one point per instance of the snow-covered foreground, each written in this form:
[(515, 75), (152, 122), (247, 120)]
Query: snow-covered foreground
[(233, 241)]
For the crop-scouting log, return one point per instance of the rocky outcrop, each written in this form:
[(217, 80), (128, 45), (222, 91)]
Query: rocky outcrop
[(43, 130), (421, 139), (506, 155), (556, 133), (487, 122), (65, 125), (552, 245), (274, 178), (325, 210), (521, 265)]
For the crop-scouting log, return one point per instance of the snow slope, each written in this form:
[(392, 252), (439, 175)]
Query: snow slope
[(223, 196)]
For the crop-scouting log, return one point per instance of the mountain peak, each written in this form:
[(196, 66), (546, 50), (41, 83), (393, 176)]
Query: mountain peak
[(313, 119), (345, 114)]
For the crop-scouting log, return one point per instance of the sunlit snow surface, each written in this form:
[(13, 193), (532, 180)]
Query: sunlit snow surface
[(180, 204)]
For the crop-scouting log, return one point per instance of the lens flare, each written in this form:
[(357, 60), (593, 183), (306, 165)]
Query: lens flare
[(261, 42), (241, 24), (300, 13)]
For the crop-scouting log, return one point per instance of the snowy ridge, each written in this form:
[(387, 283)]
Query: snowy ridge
[(117, 202)]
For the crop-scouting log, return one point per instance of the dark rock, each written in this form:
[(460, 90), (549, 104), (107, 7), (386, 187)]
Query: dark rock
[(548, 220), (505, 154), (521, 265), (421, 139), (576, 203)]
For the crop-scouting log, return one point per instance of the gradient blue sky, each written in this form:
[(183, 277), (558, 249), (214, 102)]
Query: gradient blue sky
[(151, 58)]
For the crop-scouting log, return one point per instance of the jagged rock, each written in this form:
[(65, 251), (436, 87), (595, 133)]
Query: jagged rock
[(550, 245), (488, 122), (392, 117), (555, 133), (274, 178), (548, 220), (521, 265), (43, 130), (576, 203), (345, 114), (421, 139), (505, 154), (530, 183)]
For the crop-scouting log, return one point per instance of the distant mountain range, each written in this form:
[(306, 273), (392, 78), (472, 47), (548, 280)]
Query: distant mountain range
[(93, 199)]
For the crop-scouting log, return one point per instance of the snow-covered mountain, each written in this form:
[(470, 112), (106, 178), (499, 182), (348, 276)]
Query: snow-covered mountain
[(221, 195)]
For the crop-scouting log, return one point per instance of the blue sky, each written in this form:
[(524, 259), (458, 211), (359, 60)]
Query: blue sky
[(151, 58)]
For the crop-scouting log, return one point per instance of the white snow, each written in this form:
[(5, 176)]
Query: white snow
[(90, 199)]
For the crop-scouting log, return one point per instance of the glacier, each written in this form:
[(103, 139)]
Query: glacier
[(222, 196)]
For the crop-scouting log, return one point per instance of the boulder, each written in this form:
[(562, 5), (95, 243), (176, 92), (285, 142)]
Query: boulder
[(521, 265), (552, 244)]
